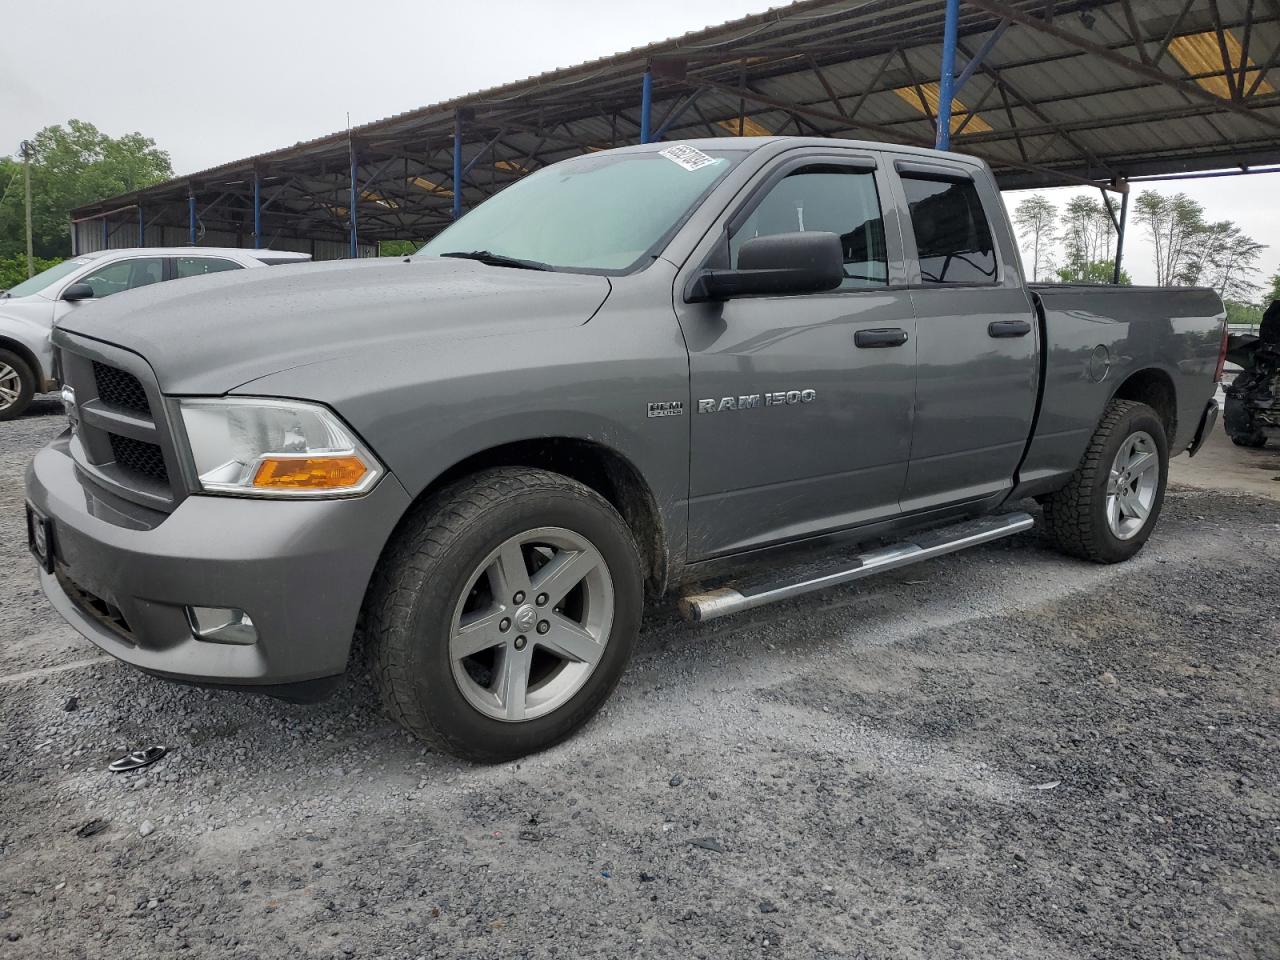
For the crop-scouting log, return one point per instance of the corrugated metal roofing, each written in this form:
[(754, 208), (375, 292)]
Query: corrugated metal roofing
[(1070, 92)]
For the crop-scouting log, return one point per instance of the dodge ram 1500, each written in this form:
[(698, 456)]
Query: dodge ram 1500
[(638, 371)]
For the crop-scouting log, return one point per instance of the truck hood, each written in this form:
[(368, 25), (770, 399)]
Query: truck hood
[(208, 335)]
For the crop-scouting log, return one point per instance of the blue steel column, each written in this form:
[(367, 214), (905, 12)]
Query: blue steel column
[(106, 234), (142, 228), (355, 226), (457, 164), (191, 217), (946, 86), (646, 105), (257, 210)]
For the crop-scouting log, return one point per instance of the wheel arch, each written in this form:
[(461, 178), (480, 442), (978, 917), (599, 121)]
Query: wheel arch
[(29, 358), (1156, 389), (595, 465)]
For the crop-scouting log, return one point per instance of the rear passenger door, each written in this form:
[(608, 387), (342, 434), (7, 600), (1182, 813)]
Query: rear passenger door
[(976, 338)]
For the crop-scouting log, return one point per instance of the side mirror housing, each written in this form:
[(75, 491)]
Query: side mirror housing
[(78, 291), (782, 263)]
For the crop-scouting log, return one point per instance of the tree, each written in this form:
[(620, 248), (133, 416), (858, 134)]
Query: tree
[(1273, 293), (1036, 220), (1173, 225), (72, 165), (1096, 271), (1088, 234), (1225, 258)]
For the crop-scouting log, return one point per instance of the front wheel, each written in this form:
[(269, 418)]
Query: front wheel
[(504, 612), (17, 385), (1108, 509)]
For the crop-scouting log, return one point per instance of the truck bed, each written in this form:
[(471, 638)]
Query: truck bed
[(1093, 338)]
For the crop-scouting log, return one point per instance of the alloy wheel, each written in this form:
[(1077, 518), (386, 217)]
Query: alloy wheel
[(1132, 483), (532, 624), (10, 386)]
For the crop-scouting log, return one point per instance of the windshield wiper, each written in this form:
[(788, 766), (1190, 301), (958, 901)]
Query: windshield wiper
[(497, 259)]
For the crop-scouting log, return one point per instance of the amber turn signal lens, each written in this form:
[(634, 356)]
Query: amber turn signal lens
[(309, 473)]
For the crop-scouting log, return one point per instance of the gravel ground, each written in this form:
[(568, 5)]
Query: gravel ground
[(1001, 753)]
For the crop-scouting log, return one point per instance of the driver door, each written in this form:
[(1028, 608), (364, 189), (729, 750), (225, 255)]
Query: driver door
[(801, 415)]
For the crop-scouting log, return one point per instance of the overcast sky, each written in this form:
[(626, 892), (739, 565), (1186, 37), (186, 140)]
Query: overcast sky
[(214, 82)]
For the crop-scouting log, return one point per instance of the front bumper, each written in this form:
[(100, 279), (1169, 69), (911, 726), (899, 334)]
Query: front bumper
[(299, 568)]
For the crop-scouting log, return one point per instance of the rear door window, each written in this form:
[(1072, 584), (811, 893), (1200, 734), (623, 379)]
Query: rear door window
[(831, 198), (953, 238), (199, 266)]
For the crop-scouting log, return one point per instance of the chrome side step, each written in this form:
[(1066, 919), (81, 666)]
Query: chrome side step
[(709, 604)]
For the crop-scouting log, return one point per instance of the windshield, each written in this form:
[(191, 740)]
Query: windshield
[(603, 212), (46, 277)]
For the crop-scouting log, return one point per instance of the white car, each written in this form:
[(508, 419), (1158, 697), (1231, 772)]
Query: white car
[(29, 311)]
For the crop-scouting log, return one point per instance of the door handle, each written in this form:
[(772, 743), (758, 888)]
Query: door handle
[(1008, 328), (885, 337)]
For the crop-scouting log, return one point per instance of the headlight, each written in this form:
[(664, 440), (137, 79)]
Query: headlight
[(275, 448)]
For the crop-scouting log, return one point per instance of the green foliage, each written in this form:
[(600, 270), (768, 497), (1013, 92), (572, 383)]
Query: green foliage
[(398, 248), (13, 270), (1095, 271), (1274, 292), (72, 165), (1243, 313)]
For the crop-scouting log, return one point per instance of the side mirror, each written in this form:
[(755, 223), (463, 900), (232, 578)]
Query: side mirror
[(783, 263), (78, 291)]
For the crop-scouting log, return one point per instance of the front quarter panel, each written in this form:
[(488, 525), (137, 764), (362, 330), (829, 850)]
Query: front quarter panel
[(28, 321), (425, 407)]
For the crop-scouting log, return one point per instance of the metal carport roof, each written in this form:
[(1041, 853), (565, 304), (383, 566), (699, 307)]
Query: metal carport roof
[(1050, 93)]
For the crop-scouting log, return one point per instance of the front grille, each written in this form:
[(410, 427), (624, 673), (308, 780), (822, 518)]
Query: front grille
[(117, 388), (137, 456), (122, 440)]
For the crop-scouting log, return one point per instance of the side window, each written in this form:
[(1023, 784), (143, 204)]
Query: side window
[(836, 199), (953, 239), (199, 266), (125, 275)]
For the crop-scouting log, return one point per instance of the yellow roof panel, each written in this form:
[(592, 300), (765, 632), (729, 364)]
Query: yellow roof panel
[(1200, 53), (933, 97), (750, 128), (422, 183)]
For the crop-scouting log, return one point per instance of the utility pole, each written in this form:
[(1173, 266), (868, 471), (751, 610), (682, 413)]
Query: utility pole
[(26, 176)]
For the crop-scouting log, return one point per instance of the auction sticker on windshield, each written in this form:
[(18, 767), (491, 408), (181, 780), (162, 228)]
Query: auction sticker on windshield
[(691, 158)]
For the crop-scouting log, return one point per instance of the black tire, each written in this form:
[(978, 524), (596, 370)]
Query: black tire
[(1254, 441), (1075, 517), (10, 409), (425, 572)]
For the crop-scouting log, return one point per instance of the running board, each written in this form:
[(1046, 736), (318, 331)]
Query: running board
[(709, 604)]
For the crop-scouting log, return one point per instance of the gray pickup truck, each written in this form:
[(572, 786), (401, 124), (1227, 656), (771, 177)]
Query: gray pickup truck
[(664, 368)]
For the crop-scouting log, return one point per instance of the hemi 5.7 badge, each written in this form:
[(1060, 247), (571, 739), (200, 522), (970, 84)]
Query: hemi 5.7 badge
[(667, 408)]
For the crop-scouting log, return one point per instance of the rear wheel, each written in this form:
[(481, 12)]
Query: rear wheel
[(1112, 502), (17, 385), (504, 612)]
